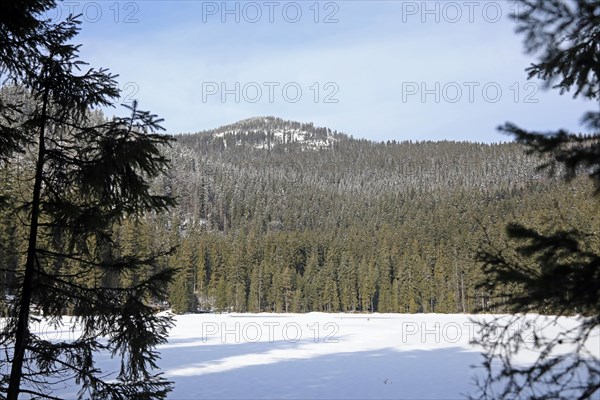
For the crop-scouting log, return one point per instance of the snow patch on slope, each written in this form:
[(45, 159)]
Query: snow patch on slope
[(269, 132)]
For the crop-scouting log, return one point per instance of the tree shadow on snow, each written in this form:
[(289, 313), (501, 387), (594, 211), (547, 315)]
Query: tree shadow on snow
[(250, 370)]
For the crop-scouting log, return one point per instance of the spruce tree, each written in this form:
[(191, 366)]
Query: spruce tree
[(181, 293), (87, 175), (556, 271)]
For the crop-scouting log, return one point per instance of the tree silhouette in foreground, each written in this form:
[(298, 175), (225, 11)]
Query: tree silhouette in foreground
[(71, 176), (555, 272)]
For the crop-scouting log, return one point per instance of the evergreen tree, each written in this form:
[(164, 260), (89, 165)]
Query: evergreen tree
[(85, 177), (202, 277), (367, 285), (556, 271), (348, 284), (181, 294), (310, 282)]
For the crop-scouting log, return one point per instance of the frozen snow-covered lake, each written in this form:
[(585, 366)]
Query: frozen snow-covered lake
[(322, 356)]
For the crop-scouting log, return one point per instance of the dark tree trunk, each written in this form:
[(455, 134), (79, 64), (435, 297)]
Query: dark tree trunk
[(22, 332)]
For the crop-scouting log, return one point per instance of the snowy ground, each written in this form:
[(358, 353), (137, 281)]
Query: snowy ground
[(321, 356)]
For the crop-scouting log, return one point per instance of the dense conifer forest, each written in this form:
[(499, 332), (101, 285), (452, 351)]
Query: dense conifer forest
[(282, 216)]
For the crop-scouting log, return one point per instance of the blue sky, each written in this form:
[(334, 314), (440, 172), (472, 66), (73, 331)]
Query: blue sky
[(380, 70)]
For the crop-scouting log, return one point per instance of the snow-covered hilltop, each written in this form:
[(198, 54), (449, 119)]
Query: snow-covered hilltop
[(268, 132)]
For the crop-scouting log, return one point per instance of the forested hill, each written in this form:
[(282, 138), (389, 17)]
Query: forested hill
[(286, 216), (278, 215), (267, 173)]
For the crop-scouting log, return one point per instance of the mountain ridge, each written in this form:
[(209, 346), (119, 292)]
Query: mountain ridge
[(305, 132)]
